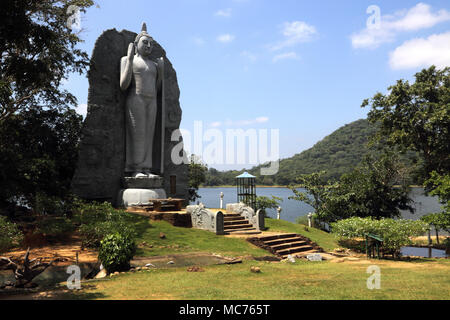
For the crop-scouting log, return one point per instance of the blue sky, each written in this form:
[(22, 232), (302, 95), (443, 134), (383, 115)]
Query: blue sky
[(303, 67)]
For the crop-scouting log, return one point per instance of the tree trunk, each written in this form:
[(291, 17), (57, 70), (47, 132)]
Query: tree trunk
[(26, 272)]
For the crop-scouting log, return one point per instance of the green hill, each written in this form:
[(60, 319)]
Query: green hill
[(337, 153)]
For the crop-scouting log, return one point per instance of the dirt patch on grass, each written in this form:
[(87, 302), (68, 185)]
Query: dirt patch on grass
[(65, 251)]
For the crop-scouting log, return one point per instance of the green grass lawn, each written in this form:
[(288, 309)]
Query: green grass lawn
[(417, 279), (426, 279), (182, 240)]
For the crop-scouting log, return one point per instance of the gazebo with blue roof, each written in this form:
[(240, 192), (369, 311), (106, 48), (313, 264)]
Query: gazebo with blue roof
[(246, 189)]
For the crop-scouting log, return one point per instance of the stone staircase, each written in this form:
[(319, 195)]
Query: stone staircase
[(235, 224), (287, 244)]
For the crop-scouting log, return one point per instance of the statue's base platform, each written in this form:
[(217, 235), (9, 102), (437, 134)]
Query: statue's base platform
[(152, 182), (135, 197)]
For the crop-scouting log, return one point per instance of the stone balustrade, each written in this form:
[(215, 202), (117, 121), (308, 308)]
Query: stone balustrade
[(205, 219)]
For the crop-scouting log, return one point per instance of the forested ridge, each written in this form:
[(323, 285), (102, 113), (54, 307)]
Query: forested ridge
[(337, 153)]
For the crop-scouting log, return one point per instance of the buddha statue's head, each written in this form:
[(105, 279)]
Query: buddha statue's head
[(144, 42)]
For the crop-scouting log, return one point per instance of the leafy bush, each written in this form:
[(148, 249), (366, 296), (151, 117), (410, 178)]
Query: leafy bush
[(55, 227), (440, 221), (395, 233), (10, 235), (264, 203), (92, 234), (116, 252), (98, 220)]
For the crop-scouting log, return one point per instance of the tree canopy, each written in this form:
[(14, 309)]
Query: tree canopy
[(417, 117), (37, 52), (38, 153), (375, 188)]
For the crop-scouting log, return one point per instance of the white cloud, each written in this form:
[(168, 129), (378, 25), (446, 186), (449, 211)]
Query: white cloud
[(422, 52), (417, 18), (225, 13), (284, 56), (258, 120), (82, 109), (294, 33), (225, 38)]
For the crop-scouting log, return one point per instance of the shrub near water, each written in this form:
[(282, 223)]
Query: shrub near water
[(395, 233), (116, 252), (10, 235)]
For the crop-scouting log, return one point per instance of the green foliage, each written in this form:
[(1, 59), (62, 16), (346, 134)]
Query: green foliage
[(45, 205), (38, 153), (439, 185), (55, 228), (10, 235), (395, 233), (447, 245), (37, 52), (98, 220), (116, 252), (440, 221), (317, 190), (376, 188), (264, 203), (197, 176), (336, 154), (368, 191), (417, 117)]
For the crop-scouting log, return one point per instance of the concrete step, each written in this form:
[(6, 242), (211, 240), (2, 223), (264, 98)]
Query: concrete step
[(232, 215), (289, 245), (235, 222), (278, 236), (241, 226), (281, 241), (285, 252), (225, 218)]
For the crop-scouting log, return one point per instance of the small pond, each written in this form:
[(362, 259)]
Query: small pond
[(423, 252)]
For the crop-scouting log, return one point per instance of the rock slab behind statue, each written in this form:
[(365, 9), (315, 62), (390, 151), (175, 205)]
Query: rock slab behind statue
[(100, 171)]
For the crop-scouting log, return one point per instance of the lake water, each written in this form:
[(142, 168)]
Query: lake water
[(423, 252), (293, 209)]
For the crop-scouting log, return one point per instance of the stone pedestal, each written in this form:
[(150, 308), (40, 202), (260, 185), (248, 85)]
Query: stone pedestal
[(140, 191)]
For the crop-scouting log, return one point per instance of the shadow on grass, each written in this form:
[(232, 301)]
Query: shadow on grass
[(54, 293), (360, 247), (79, 294)]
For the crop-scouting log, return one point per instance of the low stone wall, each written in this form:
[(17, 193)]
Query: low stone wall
[(255, 219), (204, 219)]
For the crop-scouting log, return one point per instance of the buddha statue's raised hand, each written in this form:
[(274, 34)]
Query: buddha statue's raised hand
[(130, 54)]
